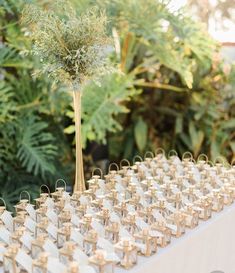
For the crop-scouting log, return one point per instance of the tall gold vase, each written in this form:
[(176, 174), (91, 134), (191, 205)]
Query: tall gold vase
[(79, 175)]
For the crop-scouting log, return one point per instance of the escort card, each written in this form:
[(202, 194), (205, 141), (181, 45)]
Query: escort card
[(7, 220), (24, 260), (50, 247), (31, 211)]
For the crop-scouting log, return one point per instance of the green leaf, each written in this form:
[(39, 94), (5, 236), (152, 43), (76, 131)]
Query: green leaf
[(215, 149), (70, 130), (141, 134), (179, 125), (229, 124), (36, 149)]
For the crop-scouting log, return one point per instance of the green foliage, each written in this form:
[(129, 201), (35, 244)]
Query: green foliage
[(101, 104), (36, 151), (72, 48)]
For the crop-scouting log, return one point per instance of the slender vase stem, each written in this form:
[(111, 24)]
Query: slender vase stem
[(79, 176)]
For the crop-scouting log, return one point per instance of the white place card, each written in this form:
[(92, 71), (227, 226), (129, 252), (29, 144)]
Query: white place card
[(31, 211), (5, 235), (158, 216), (50, 203), (50, 247), (55, 266), (2, 250), (52, 230), (26, 239), (114, 217), (80, 257), (24, 260), (30, 224), (7, 220), (141, 223), (77, 237), (170, 208), (172, 227), (75, 220), (98, 228), (52, 216)]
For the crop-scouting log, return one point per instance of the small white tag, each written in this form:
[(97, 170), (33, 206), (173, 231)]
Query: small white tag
[(130, 208), (158, 216), (141, 223), (26, 239), (175, 190), (77, 237), (170, 208), (31, 211), (98, 228), (50, 203), (105, 245), (140, 191), (114, 217), (80, 257), (5, 235), (2, 251), (219, 182), (50, 247), (75, 220), (24, 260), (30, 224), (172, 227), (52, 230), (119, 187), (156, 233), (101, 184), (185, 200), (107, 204), (83, 200), (7, 220), (52, 216), (90, 211), (143, 202), (186, 183), (124, 233), (55, 266), (208, 186)]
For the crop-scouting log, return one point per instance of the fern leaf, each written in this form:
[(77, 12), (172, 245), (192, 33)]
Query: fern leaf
[(36, 150)]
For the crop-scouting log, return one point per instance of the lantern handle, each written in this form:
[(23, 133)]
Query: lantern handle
[(186, 154), (26, 193), (97, 169), (220, 159), (113, 164), (45, 186), (148, 153), (160, 150), (172, 153), (137, 157), (126, 161), (62, 180), (201, 157), (3, 202)]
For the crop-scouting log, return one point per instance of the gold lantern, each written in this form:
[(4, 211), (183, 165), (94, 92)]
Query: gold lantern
[(149, 241), (100, 263), (40, 264), (127, 251)]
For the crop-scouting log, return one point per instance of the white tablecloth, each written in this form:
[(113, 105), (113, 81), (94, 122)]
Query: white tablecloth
[(209, 247)]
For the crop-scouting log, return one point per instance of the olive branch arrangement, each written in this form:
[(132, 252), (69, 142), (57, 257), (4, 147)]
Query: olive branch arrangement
[(73, 49)]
